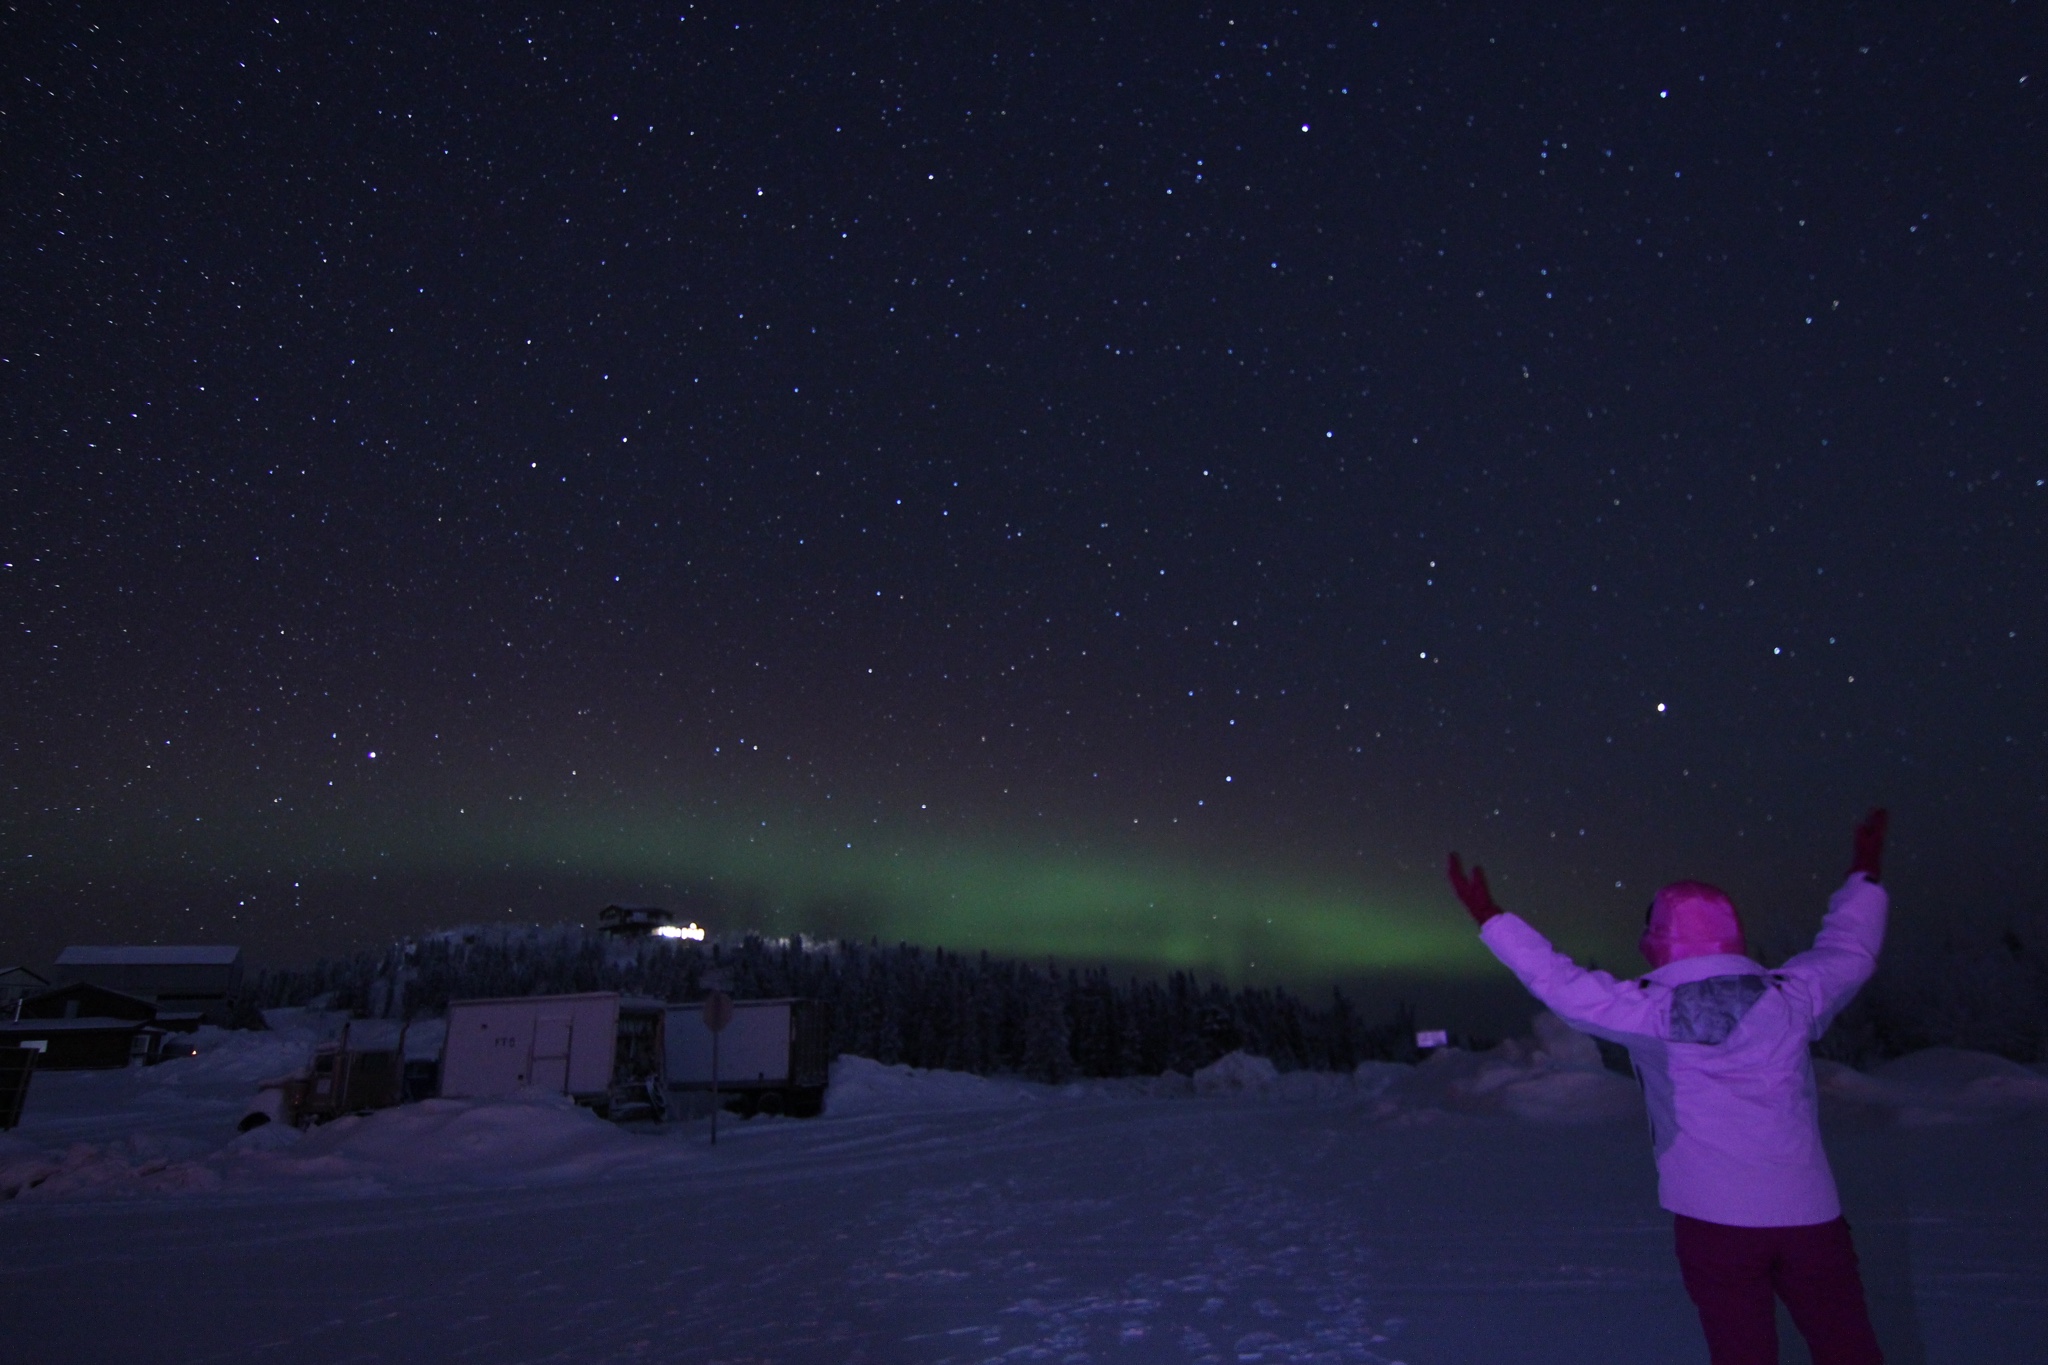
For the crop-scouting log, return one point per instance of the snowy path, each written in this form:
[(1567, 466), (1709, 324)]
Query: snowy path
[(1127, 1230)]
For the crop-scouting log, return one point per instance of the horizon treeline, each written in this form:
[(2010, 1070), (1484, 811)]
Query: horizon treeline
[(922, 1006), (931, 1008)]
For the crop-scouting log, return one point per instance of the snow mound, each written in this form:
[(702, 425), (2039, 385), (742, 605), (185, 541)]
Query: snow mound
[(1373, 1079), (312, 1025), (1950, 1085), (1572, 1097), (528, 1138), (1937, 1085), (141, 1164), (860, 1087), (235, 1055), (1556, 1078), (1311, 1086), (1560, 1047), (23, 1165), (1236, 1073), (424, 1039)]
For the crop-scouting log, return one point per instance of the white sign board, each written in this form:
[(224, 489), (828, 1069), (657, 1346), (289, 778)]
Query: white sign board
[(752, 1050)]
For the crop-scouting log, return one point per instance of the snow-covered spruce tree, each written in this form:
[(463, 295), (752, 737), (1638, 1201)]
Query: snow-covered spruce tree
[(1048, 1054)]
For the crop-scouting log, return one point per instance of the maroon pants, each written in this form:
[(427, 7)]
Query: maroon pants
[(1732, 1274)]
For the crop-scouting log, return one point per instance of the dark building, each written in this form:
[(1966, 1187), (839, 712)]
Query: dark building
[(190, 985), (83, 1027), (83, 1000), (15, 984), (632, 921), (17, 1066)]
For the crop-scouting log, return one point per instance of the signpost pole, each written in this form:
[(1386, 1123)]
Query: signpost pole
[(717, 1014)]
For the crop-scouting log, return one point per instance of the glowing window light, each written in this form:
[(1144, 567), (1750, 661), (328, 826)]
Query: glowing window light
[(689, 931)]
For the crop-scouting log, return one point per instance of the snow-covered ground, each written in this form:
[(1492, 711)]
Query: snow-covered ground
[(1495, 1208)]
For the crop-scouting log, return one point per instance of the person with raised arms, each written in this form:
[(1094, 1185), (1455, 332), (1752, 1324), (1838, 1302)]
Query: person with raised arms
[(1720, 1044)]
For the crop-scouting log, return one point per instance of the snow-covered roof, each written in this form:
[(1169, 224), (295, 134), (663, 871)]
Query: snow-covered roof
[(150, 955), (375, 1035), (90, 1023)]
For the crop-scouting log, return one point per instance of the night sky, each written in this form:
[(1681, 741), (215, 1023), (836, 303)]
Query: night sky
[(1136, 483)]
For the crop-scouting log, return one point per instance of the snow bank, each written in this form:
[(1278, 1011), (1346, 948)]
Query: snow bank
[(1558, 1078), (522, 1139), (1562, 1083), (237, 1057), (140, 1164), (1561, 1080), (525, 1139), (862, 1087), (170, 1129), (1938, 1085), (1239, 1073)]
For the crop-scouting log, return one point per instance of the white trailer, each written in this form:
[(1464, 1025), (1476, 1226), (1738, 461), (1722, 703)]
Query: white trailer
[(560, 1043), (771, 1057)]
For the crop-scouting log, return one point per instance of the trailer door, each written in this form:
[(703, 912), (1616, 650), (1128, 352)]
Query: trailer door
[(550, 1069), (489, 1047)]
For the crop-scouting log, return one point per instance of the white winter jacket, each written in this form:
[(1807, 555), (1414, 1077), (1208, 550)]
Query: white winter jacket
[(1721, 1046)]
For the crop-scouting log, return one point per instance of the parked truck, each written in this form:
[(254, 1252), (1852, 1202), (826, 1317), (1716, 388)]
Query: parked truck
[(771, 1056), (360, 1070)]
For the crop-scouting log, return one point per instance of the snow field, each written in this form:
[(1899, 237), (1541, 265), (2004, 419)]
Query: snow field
[(1494, 1207)]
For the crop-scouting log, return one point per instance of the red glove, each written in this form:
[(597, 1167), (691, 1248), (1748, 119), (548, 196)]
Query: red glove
[(1870, 843), (1472, 891)]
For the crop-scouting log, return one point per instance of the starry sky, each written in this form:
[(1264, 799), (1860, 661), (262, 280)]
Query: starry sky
[(1134, 483)]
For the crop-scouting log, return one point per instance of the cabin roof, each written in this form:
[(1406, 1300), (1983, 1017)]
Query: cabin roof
[(149, 955)]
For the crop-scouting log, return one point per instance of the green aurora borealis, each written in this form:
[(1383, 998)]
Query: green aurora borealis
[(358, 877), (1009, 898)]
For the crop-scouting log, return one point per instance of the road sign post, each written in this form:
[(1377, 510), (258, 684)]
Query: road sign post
[(717, 1014)]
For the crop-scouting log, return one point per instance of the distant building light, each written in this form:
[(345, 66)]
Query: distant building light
[(1433, 1037), (690, 931)]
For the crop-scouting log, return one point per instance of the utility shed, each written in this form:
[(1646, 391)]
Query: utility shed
[(200, 980), (562, 1043), (771, 1056)]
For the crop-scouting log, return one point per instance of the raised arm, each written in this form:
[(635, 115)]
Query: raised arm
[(1844, 952), (1588, 1000), (1870, 834), (1478, 901)]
